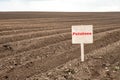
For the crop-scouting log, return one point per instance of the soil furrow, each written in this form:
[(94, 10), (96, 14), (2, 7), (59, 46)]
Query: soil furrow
[(96, 58), (23, 36), (12, 32), (39, 53), (22, 46), (25, 45), (29, 26), (29, 35), (58, 59)]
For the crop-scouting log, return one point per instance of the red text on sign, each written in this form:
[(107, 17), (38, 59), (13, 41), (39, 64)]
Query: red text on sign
[(81, 33)]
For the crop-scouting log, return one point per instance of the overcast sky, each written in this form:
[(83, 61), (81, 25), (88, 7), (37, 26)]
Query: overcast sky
[(60, 5)]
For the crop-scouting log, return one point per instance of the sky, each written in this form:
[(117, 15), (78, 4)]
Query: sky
[(60, 5)]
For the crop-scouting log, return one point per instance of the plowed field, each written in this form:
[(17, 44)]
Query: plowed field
[(38, 46)]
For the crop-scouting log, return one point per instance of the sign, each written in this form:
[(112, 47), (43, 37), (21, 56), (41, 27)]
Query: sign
[(82, 34)]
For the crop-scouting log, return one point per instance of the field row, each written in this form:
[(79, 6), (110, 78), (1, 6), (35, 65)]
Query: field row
[(28, 44), (100, 58), (29, 35), (37, 62)]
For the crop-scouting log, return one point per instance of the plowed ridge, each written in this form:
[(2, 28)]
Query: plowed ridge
[(47, 48), (30, 47)]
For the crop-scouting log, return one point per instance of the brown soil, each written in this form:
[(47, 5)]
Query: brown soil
[(37, 46)]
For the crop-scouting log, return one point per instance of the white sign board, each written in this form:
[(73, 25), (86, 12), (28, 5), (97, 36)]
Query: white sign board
[(82, 34)]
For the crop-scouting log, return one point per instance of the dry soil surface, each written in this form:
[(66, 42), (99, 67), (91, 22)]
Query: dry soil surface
[(37, 46)]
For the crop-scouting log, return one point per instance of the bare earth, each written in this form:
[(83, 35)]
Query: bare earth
[(37, 46)]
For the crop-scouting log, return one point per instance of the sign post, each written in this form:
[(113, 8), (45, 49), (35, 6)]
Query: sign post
[(82, 34), (82, 52)]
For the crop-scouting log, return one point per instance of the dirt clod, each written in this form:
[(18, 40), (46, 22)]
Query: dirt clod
[(7, 47)]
